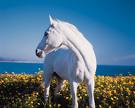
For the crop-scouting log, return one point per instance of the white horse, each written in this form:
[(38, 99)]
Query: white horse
[(70, 56)]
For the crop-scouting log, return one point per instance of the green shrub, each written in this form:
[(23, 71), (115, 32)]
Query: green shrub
[(25, 91)]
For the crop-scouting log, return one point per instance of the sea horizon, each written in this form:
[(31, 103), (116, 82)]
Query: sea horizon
[(32, 67), (42, 61)]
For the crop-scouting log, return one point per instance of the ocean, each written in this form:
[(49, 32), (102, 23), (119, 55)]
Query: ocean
[(32, 68)]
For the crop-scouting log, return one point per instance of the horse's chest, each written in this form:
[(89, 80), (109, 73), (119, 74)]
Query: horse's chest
[(63, 65)]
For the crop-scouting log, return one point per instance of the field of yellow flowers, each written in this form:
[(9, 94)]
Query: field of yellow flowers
[(25, 91)]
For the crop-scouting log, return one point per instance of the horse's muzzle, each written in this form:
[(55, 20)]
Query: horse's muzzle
[(39, 53)]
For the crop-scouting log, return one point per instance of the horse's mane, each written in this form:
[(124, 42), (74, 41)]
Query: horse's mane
[(74, 30)]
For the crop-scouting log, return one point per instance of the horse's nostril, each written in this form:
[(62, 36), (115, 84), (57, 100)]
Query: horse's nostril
[(36, 51)]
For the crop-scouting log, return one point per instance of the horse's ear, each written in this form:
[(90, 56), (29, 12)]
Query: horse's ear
[(51, 19)]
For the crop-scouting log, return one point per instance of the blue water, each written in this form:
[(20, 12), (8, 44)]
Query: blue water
[(32, 68)]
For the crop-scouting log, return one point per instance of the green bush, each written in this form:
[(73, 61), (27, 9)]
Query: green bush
[(25, 91)]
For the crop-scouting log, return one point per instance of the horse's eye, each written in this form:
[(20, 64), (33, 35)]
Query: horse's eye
[(46, 34)]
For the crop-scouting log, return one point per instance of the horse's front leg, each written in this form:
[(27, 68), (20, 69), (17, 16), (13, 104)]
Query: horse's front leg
[(73, 86), (47, 79)]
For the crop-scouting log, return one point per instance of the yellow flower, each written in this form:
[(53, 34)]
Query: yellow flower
[(67, 98), (111, 98), (100, 106), (59, 105)]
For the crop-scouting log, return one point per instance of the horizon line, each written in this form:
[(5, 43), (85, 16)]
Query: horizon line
[(42, 61)]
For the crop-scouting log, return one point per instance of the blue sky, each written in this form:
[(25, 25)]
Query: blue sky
[(108, 25)]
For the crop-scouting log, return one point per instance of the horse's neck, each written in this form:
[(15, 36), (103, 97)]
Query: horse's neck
[(83, 48), (75, 51)]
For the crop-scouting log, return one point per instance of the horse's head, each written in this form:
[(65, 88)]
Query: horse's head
[(51, 40)]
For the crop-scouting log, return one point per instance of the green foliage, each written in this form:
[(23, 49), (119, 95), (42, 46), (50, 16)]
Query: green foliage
[(26, 91)]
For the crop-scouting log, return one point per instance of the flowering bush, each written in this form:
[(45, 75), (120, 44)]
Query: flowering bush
[(25, 91)]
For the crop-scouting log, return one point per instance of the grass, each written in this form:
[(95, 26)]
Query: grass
[(25, 91)]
